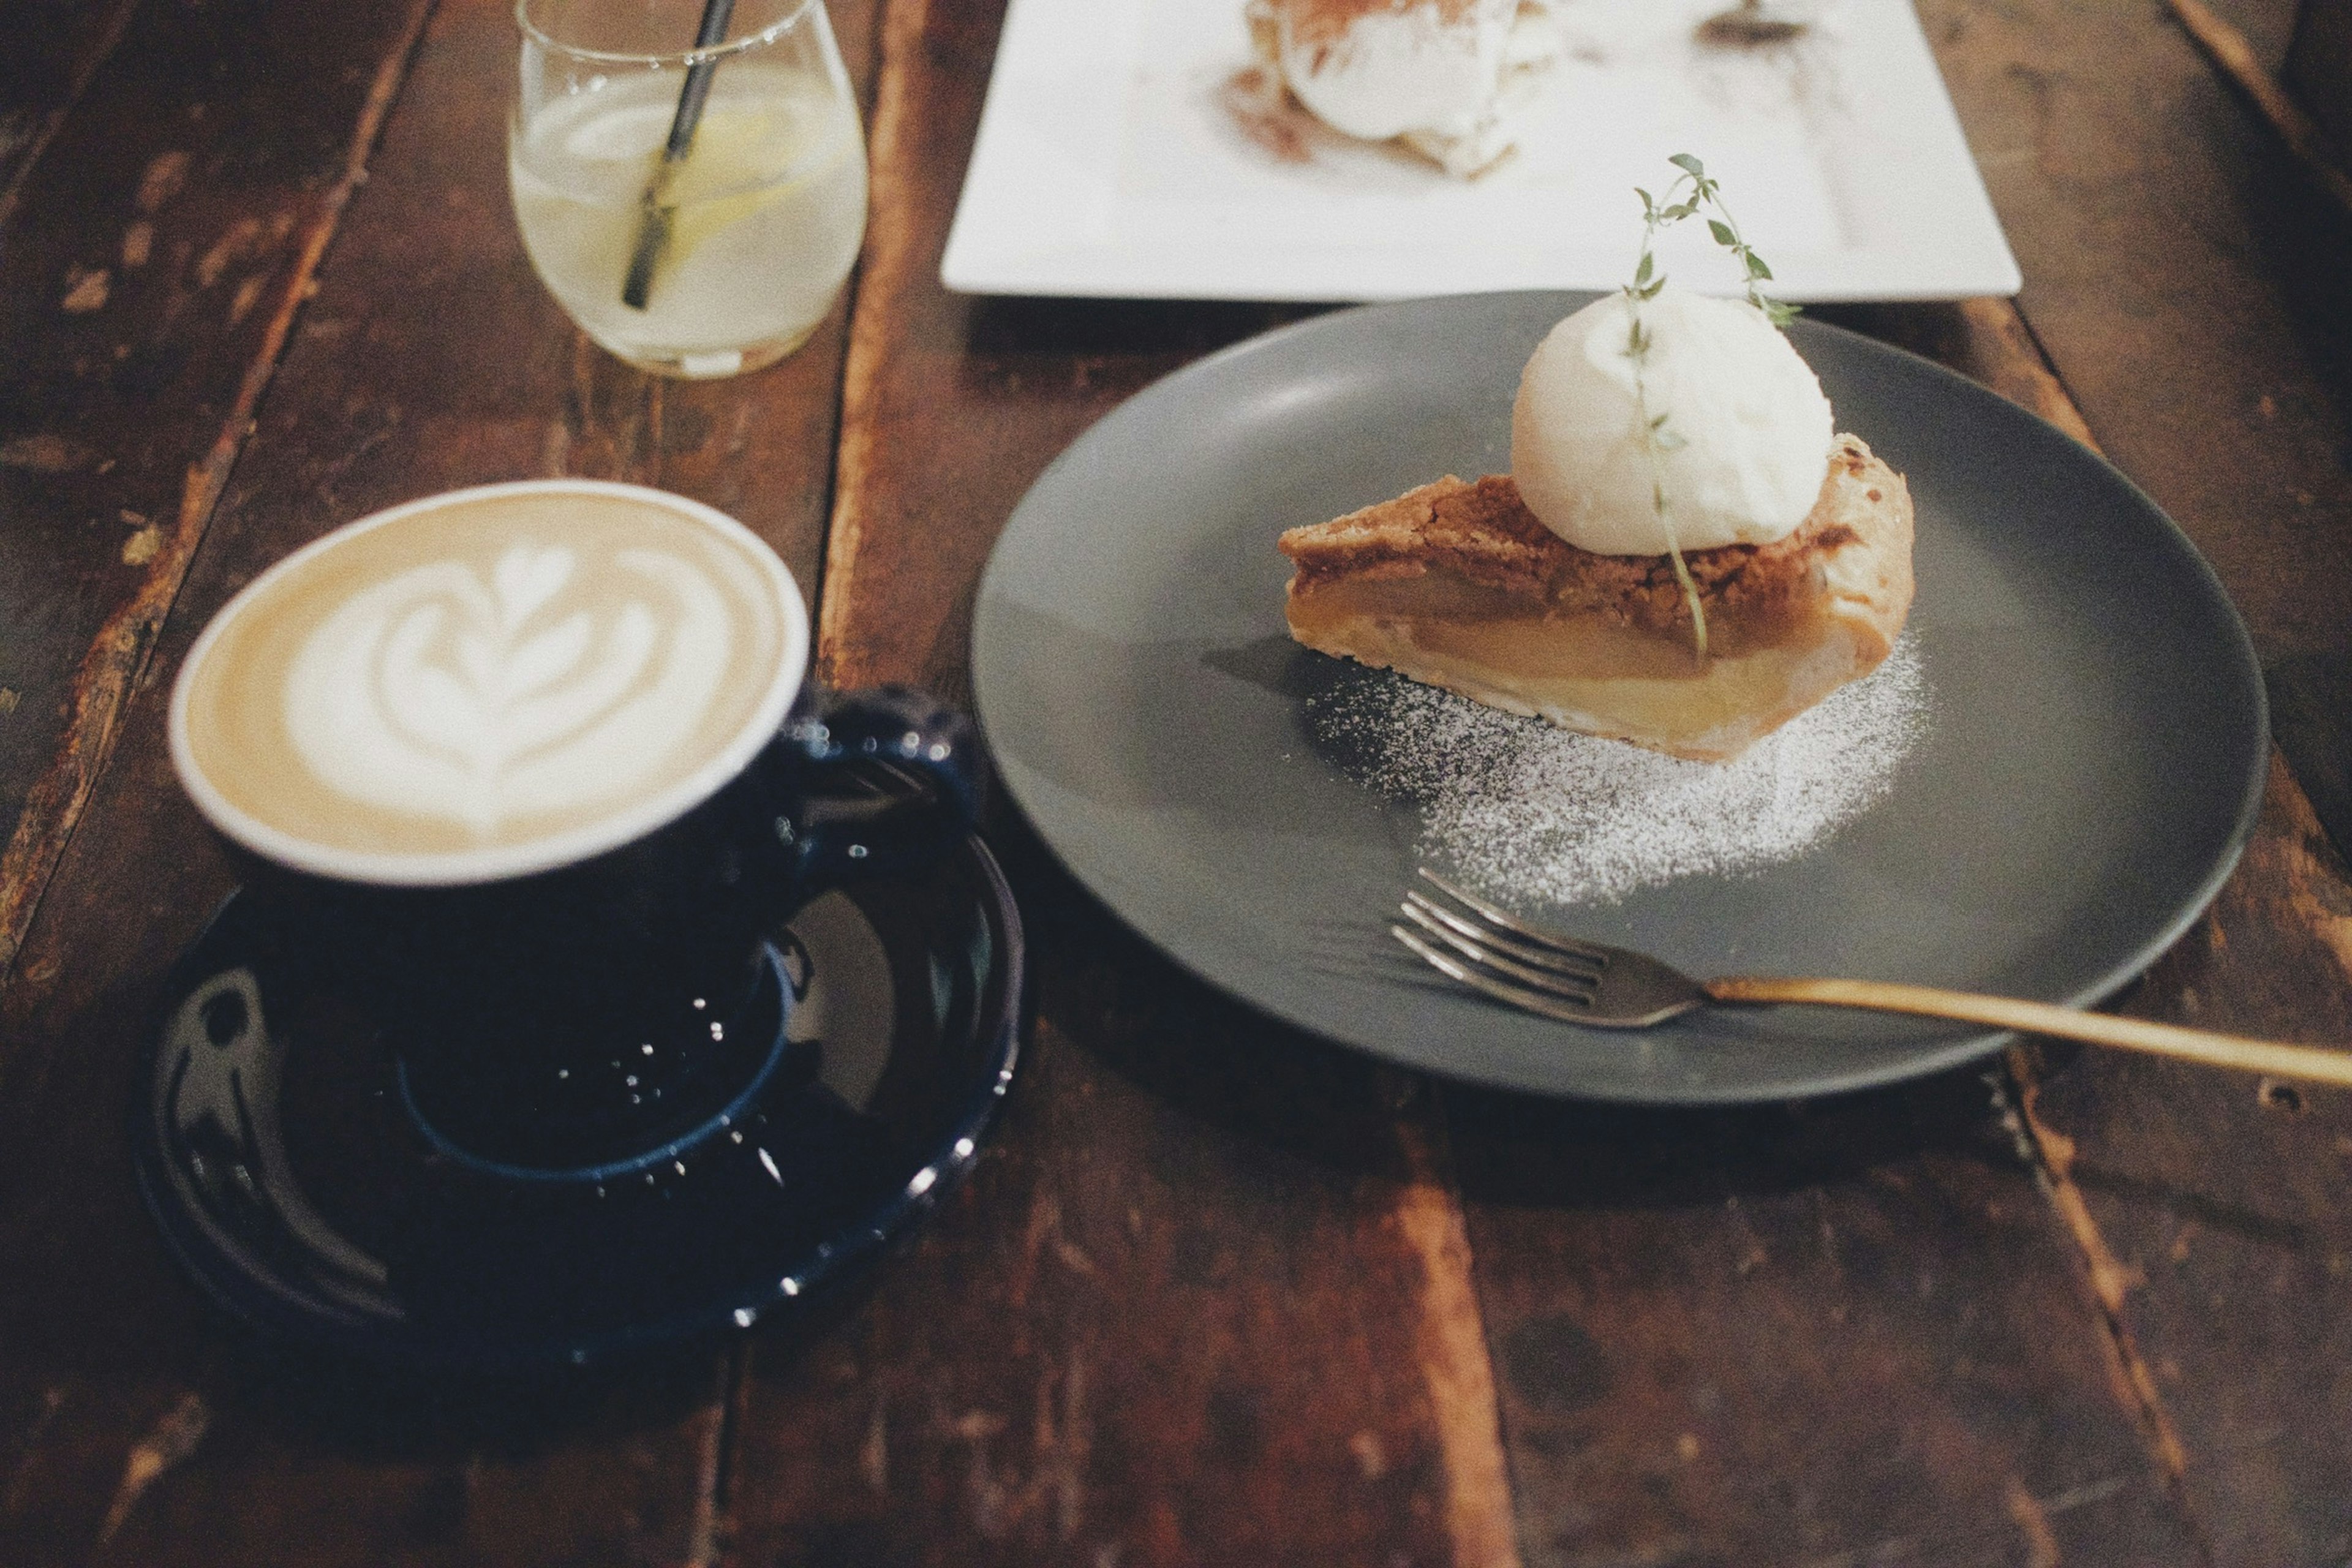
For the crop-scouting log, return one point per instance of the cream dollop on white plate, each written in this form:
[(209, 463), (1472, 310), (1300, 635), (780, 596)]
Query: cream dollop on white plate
[(1447, 76)]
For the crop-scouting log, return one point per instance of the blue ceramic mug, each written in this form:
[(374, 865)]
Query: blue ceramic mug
[(536, 767)]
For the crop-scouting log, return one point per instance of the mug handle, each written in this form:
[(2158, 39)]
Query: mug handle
[(834, 834)]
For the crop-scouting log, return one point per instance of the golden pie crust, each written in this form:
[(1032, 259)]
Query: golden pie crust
[(1457, 584)]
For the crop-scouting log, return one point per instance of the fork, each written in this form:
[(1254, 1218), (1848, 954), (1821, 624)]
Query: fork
[(1495, 952)]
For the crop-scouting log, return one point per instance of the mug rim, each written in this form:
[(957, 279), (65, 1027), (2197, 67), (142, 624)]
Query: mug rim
[(664, 59), (555, 852)]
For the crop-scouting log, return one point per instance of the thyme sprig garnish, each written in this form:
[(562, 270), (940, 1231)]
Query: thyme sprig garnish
[(1693, 190)]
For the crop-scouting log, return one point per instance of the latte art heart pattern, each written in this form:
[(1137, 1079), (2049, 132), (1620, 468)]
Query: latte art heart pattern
[(482, 701)]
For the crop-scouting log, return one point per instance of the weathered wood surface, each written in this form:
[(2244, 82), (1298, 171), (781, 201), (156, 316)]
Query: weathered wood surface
[(2216, 1206), (1205, 1275), (2311, 716), (155, 256), (2318, 70), (132, 1428), (1219, 1293), (2175, 273), (1203, 1302), (1844, 1332), (2233, 54), (952, 405), (55, 51), (2165, 261), (941, 432)]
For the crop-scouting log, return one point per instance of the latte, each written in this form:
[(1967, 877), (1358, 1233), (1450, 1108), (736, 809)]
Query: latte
[(488, 683)]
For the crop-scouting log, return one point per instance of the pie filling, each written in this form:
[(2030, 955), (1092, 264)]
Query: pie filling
[(1456, 585), (1707, 712)]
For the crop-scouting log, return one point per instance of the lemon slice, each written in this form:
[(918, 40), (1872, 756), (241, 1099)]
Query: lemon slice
[(744, 158)]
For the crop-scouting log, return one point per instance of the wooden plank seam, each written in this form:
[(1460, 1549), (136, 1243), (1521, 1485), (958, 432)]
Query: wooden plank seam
[(2227, 48), (2045, 1151), (2050, 1154), (714, 1522), (706, 1526), (890, 236), (100, 49), (118, 658), (1457, 1363)]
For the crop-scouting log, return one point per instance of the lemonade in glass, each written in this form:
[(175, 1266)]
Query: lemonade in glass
[(739, 247)]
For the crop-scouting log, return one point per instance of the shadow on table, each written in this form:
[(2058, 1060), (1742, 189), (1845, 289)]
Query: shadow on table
[(381, 1412), (1519, 1151), (91, 1304), (1213, 1061), (1009, 324), (2304, 241)]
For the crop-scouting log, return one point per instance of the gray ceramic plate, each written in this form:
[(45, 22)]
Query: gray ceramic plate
[(2093, 768)]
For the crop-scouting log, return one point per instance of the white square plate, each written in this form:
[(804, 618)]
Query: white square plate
[(1108, 164)]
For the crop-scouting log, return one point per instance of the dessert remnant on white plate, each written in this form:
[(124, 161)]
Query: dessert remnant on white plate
[(1446, 78)]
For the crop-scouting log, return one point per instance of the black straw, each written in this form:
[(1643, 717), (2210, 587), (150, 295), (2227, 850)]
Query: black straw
[(654, 222)]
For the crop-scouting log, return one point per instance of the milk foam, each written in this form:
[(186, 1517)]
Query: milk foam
[(476, 701), (499, 681)]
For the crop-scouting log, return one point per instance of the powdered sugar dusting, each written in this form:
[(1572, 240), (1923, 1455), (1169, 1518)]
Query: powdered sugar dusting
[(1528, 811)]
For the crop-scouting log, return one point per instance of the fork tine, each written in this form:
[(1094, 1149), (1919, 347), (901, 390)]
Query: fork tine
[(1500, 990), (1578, 988), (1510, 922), (1535, 954)]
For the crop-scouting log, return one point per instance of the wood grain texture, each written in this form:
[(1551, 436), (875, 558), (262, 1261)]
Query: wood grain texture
[(133, 1425), (2311, 717), (2318, 70), (2191, 301), (2206, 1207), (156, 259), (1985, 340), (56, 47), (2301, 135), (1178, 1315), (1844, 1332), (2220, 1202), (1213, 1295), (952, 403), (1206, 1299)]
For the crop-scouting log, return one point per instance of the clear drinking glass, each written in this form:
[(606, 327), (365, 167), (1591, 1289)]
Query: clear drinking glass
[(738, 249)]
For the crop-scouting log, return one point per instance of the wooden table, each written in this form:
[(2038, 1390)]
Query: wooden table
[(1218, 1294)]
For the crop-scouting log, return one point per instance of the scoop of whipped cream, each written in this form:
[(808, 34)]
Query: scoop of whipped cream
[(1745, 444), (1446, 76)]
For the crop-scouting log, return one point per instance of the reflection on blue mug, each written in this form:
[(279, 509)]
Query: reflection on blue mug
[(537, 764)]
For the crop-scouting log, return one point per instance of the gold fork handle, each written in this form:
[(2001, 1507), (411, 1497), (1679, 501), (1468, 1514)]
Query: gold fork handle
[(2305, 1062)]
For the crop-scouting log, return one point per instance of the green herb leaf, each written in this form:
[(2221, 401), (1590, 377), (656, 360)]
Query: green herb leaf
[(1641, 273), (1689, 165), (1722, 232)]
